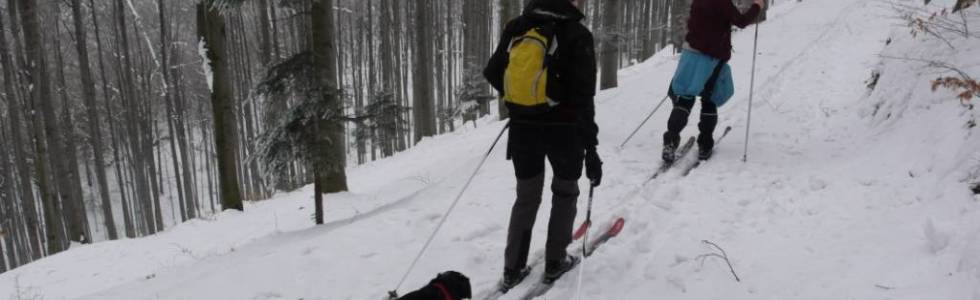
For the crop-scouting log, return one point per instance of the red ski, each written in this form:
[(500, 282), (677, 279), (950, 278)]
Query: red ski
[(540, 288)]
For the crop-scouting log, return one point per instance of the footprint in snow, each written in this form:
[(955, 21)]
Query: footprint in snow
[(937, 237), (643, 248), (678, 283), (666, 206), (817, 184), (267, 295), (678, 260), (479, 233)]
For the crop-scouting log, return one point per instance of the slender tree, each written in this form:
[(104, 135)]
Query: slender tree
[(95, 134), (211, 28), (45, 127), (609, 39), (422, 99), (28, 201)]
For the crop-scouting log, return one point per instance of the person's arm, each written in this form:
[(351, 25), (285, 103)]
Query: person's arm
[(494, 71), (739, 19), (583, 88)]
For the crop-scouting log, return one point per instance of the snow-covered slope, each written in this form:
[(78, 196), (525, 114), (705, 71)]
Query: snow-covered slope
[(847, 194)]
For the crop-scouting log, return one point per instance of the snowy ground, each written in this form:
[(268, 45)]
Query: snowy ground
[(848, 194)]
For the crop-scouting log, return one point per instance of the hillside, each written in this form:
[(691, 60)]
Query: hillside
[(848, 193)]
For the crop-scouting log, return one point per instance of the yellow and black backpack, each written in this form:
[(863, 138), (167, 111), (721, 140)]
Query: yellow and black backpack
[(526, 76)]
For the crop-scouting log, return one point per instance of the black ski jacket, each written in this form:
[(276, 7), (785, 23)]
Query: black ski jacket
[(572, 73)]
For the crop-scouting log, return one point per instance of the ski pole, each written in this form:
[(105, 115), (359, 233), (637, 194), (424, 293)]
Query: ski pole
[(393, 294), (748, 124), (585, 242), (584, 228), (588, 221), (643, 123)]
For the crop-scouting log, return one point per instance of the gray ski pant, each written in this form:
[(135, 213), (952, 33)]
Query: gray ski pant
[(523, 215)]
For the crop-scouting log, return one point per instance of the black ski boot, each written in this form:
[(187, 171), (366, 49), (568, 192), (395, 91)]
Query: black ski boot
[(512, 278), (555, 269), (706, 142), (670, 148), (705, 153)]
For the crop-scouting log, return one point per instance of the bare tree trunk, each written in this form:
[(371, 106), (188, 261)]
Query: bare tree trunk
[(187, 166), (664, 17), (388, 26), (7, 211), (208, 157), (171, 117), (324, 61), (402, 130), (135, 131), (212, 29), (148, 134), (95, 134), (28, 202), (265, 43), (41, 95), (422, 107), (331, 166), (609, 40), (77, 219)]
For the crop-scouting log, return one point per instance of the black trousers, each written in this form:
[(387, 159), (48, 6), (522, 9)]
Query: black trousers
[(529, 146), (679, 117)]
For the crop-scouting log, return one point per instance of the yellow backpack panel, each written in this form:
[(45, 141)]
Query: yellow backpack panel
[(526, 77)]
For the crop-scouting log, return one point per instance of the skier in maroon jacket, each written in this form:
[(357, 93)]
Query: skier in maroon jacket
[(703, 70)]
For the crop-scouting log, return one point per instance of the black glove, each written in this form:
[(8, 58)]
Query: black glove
[(593, 166), (457, 284)]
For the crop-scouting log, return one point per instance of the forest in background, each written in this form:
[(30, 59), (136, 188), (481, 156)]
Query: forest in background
[(120, 118)]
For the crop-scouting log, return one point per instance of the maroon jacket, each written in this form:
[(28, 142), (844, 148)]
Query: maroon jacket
[(710, 26)]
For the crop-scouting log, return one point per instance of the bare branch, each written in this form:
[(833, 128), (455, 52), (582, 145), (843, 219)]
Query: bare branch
[(932, 64), (722, 256)]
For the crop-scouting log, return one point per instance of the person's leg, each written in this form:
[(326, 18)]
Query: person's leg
[(528, 157), (709, 114), (522, 217), (675, 124), (563, 210), (709, 120), (567, 159)]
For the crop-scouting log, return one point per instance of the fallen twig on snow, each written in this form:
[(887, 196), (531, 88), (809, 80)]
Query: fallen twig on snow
[(723, 256)]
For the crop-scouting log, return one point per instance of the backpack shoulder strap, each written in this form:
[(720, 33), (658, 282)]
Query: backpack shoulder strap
[(550, 30)]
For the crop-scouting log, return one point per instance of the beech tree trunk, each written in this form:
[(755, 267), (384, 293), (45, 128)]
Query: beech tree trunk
[(609, 41), (212, 30)]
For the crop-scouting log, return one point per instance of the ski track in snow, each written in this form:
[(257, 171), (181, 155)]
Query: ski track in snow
[(835, 202)]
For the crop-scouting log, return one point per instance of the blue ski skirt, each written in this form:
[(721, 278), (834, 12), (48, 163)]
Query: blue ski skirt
[(693, 72)]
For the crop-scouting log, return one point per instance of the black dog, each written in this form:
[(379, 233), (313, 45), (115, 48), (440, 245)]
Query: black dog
[(449, 285)]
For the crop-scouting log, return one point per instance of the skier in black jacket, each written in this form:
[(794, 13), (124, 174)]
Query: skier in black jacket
[(566, 135)]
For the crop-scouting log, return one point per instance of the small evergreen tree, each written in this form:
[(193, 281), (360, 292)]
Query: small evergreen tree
[(382, 122), (473, 96), (296, 135)]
